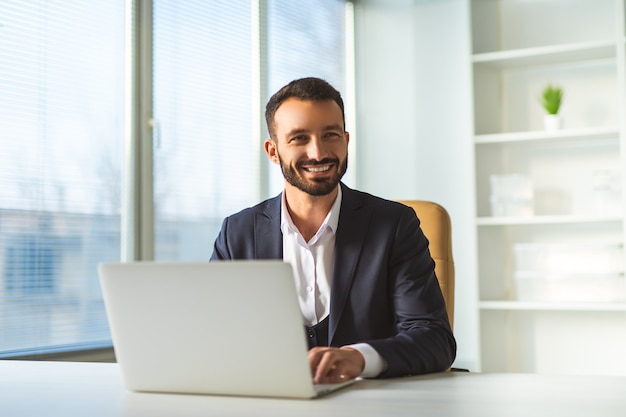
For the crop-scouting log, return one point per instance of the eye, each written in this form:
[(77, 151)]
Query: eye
[(298, 139), (332, 135)]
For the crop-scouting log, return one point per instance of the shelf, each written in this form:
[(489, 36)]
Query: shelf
[(554, 219), (532, 306), (575, 174), (540, 135), (547, 55)]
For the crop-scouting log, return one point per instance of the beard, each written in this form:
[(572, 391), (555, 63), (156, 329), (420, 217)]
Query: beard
[(318, 186)]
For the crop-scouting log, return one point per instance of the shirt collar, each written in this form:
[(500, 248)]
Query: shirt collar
[(331, 221)]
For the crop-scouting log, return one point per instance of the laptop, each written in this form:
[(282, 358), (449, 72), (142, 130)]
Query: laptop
[(223, 328)]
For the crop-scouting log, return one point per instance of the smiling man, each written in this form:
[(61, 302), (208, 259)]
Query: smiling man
[(370, 301)]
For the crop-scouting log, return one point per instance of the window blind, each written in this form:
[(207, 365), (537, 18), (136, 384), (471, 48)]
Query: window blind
[(61, 127), (206, 163), (202, 76)]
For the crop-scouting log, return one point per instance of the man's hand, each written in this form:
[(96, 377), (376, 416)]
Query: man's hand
[(332, 365)]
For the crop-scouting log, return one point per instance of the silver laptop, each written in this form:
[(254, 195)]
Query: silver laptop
[(226, 328)]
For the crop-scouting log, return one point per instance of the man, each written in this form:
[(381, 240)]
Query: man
[(370, 300)]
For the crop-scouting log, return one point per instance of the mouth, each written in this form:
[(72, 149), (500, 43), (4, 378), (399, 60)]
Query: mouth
[(317, 168)]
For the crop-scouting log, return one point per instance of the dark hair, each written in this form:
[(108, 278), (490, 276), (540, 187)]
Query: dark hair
[(310, 88)]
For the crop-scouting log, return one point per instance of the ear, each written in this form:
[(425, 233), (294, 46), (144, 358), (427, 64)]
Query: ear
[(347, 136), (271, 150)]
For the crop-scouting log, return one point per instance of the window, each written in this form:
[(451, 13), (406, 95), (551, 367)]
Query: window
[(62, 74), (204, 152), (61, 118), (208, 154)]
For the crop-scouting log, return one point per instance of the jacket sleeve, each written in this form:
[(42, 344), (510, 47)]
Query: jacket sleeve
[(424, 341), (220, 247)]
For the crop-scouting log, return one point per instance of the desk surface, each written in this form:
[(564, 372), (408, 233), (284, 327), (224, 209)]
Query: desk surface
[(95, 389)]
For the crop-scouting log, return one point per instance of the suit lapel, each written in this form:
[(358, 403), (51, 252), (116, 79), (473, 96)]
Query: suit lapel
[(351, 231), (268, 239)]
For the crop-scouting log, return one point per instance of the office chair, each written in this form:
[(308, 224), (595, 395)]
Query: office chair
[(435, 222), (436, 225)]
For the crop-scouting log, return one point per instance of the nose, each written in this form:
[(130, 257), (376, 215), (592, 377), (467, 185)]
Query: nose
[(316, 149)]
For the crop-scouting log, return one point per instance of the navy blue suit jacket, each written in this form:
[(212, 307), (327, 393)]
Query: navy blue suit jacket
[(384, 291)]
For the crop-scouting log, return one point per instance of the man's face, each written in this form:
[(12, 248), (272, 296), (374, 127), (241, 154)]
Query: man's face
[(310, 145)]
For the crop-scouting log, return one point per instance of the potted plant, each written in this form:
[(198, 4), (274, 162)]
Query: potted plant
[(551, 99)]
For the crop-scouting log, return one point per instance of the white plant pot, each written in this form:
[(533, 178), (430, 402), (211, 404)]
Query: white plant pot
[(552, 122)]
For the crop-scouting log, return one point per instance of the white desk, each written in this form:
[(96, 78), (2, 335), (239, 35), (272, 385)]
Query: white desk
[(92, 389)]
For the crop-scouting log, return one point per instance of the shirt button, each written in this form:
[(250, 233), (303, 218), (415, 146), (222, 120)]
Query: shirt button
[(309, 288)]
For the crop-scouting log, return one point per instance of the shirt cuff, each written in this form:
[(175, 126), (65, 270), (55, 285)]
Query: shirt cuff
[(374, 363)]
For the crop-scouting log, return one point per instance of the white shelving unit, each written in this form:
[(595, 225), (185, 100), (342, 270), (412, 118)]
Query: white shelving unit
[(576, 177)]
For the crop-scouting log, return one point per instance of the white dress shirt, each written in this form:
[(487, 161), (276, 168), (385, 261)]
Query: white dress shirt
[(312, 264)]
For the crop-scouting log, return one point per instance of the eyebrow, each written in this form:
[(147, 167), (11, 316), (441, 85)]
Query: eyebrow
[(324, 129), (296, 132), (332, 127)]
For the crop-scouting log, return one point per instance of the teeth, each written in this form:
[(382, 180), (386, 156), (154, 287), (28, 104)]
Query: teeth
[(319, 169)]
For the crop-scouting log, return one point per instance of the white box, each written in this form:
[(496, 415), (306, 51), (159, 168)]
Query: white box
[(550, 287), (511, 195), (566, 258), (570, 272)]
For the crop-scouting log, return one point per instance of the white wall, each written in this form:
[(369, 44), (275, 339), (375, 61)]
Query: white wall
[(414, 124)]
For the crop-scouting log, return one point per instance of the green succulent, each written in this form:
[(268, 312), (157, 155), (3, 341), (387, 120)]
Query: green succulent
[(551, 98)]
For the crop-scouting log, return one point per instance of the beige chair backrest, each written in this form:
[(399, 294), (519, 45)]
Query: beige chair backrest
[(435, 222)]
